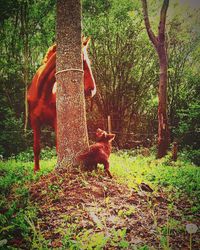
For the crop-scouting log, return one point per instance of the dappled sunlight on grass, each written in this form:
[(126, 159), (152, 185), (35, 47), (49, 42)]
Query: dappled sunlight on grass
[(71, 201), (133, 170)]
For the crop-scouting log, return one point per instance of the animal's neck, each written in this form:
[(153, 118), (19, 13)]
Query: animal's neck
[(108, 146)]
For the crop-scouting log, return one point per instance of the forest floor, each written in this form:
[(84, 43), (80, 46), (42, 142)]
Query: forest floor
[(88, 210)]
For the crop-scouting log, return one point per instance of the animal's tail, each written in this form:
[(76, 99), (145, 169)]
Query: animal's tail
[(83, 156), (47, 78)]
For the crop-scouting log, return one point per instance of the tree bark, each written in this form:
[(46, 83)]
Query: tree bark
[(163, 128), (72, 136), (160, 46)]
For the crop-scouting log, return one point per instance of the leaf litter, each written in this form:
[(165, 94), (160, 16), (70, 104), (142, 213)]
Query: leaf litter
[(70, 200)]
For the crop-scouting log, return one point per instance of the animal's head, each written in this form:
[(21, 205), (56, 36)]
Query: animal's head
[(104, 136), (89, 82)]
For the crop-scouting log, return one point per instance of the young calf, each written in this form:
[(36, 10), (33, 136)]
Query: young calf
[(99, 152)]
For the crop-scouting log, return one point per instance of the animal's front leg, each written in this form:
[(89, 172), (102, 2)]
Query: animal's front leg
[(106, 168), (36, 147)]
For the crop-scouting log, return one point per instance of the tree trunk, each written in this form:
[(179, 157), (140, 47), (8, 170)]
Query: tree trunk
[(160, 46), (25, 37), (163, 129), (72, 137), (26, 77)]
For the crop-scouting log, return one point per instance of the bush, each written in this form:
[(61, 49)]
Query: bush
[(193, 155), (28, 155), (12, 140), (188, 129)]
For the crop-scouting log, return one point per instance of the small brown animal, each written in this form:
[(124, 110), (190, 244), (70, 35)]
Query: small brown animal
[(99, 152)]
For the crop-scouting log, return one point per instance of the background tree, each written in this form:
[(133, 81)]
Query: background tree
[(22, 22), (123, 68), (183, 48), (159, 43), (24, 9), (72, 135), (124, 65)]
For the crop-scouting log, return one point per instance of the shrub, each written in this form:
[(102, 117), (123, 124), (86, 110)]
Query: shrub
[(28, 155), (193, 155)]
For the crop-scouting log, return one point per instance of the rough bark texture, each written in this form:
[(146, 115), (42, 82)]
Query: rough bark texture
[(160, 46), (163, 128), (72, 134)]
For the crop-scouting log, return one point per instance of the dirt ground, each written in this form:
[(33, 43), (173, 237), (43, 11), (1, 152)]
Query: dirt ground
[(91, 200)]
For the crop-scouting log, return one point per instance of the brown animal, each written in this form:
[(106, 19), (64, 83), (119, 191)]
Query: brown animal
[(42, 95), (99, 152)]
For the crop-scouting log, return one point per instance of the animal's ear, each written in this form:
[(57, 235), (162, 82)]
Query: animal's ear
[(100, 133), (111, 137), (86, 41)]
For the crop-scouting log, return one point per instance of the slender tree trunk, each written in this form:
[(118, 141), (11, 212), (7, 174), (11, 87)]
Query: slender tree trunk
[(26, 77), (72, 137), (24, 29), (163, 128), (160, 46)]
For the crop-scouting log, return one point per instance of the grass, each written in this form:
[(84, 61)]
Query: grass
[(18, 217), (16, 209), (182, 176)]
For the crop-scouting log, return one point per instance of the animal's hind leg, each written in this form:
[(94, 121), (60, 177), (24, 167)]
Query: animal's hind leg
[(92, 167), (36, 147)]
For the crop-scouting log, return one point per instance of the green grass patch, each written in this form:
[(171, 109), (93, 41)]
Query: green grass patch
[(18, 217), (182, 176), (16, 210)]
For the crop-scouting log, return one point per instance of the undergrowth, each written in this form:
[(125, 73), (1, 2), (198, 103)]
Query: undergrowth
[(18, 214), (181, 177), (16, 209)]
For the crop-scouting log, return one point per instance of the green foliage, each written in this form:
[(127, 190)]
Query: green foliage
[(47, 153), (37, 239), (29, 23), (88, 239), (11, 139), (193, 155), (182, 175), (17, 211), (184, 77), (19, 220), (124, 64), (189, 125), (125, 69)]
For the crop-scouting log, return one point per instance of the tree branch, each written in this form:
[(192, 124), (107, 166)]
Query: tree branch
[(151, 35), (163, 12)]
